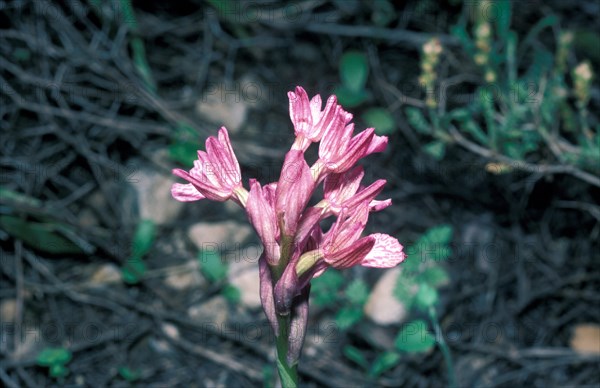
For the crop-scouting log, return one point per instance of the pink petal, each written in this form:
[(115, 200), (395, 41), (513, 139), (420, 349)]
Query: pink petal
[(386, 253), (346, 229), (352, 255), (367, 194), (294, 189), (209, 191), (375, 206), (326, 120), (225, 168), (309, 221), (335, 136), (232, 167), (315, 109), (185, 192), (378, 144), (269, 193), (353, 226), (340, 187), (357, 148), (266, 293), (300, 113), (263, 218)]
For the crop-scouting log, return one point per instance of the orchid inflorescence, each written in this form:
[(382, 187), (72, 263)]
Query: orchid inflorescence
[(296, 249)]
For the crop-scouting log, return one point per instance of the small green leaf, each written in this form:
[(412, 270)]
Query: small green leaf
[(143, 238), (357, 292), (459, 31), (412, 263), (128, 374), (405, 290), (54, 356), (355, 355), (184, 144), (417, 120), (472, 128), (437, 149), (414, 337), (433, 245), (21, 54), (133, 270), (184, 152), (349, 98), (354, 70), (383, 13), (348, 316), (435, 276), (426, 297), (17, 198), (324, 289), (232, 294), (141, 63), (545, 22), (503, 16), (384, 362), (43, 236), (212, 266), (441, 234), (459, 114), (58, 370), (381, 120)]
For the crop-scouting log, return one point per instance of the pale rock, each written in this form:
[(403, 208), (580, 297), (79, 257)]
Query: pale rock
[(212, 312), (32, 340), (106, 273), (154, 196), (244, 276), (87, 218), (170, 331), (185, 278), (229, 238), (161, 346), (8, 310), (382, 307), (225, 236), (586, 339), (228, 105)]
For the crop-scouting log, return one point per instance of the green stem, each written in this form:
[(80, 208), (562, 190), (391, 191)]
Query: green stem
[(443, 347), (584, 122), (287, 373)]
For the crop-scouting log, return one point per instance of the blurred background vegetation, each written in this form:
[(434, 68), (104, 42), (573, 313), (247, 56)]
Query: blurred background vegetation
[(493, 166)]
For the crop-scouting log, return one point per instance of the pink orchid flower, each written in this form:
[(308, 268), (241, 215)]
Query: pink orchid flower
[(295, 247), (216, 174), (261, 212), (344, 190), (339, 150), (309, 121), (342, 247), (294, 189)]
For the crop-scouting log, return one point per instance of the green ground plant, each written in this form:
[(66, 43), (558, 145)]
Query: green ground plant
[(215, 270), (352, 91), (529, 109), (56, 360), (134, 268), (417, 288)]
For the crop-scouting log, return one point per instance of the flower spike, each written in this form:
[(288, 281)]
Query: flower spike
[(295, 248)]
